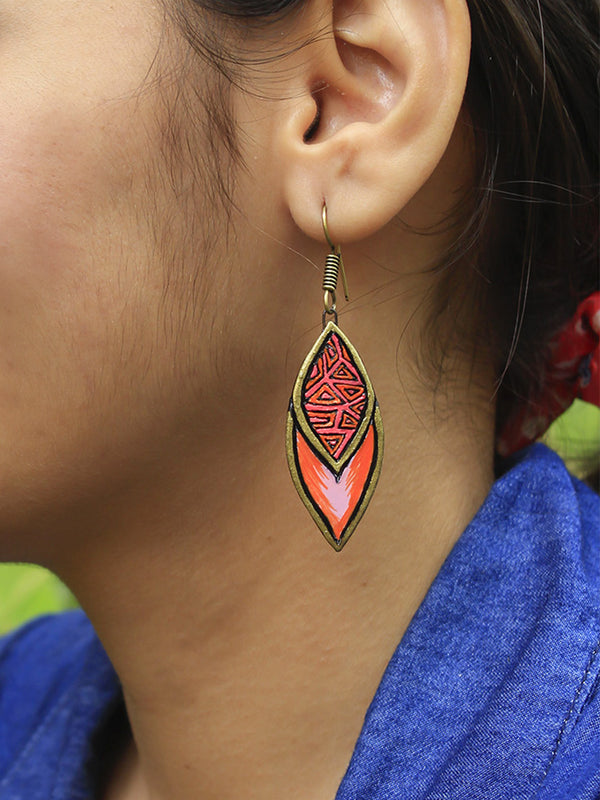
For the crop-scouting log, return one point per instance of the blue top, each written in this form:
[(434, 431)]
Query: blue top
[(492, 692)]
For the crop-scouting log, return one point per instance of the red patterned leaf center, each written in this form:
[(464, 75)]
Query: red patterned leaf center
[(334, 396)]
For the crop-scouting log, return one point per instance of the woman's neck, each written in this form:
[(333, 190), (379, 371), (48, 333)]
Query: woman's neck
[(248, 649)]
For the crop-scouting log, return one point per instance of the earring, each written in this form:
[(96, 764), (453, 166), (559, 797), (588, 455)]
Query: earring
[(334, 437)]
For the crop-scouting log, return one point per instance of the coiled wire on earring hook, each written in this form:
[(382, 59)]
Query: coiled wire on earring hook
[(333, 264)]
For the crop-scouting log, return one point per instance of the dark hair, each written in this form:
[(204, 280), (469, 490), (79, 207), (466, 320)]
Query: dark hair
[(531, 237)]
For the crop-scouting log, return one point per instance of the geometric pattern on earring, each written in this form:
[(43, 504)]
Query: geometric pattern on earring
[(334, 436)]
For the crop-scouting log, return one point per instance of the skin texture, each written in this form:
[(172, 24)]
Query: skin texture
[(149, 342)]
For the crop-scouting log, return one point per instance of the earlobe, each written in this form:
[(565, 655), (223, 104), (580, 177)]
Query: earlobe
[(380, 101)]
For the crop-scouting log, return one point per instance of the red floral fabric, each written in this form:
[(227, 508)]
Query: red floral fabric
[(573, 372)]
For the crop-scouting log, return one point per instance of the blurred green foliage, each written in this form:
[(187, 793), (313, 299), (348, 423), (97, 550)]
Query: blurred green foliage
[(576, 437), (26, 591)]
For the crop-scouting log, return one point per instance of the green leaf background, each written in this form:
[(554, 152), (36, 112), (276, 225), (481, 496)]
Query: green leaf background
[(27, 591)]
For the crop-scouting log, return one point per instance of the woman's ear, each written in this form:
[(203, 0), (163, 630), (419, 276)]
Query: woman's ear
[(379, 102)]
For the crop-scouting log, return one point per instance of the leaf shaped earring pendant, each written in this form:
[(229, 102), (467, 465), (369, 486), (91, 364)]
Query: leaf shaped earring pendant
[(334, 438)]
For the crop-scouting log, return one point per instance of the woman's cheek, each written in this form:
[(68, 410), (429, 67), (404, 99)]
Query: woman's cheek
[(68, 259)]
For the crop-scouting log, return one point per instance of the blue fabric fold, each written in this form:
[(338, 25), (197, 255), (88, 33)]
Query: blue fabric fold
[(487, 687)]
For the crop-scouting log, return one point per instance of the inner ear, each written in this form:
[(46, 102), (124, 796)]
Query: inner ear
[(366, 86), (381, 84), (312, 131)]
